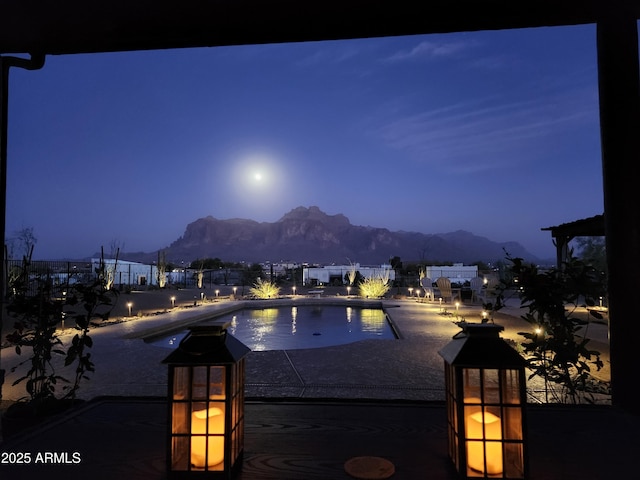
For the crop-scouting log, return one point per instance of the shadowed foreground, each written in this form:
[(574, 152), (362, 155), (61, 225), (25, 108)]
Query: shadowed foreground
[(124, 438)]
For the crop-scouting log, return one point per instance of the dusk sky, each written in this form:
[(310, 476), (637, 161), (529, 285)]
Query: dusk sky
[(496, 133)]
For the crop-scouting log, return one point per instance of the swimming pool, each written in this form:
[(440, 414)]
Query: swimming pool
[(303, 326)]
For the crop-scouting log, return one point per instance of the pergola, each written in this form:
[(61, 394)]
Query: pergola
[(39, 28), (562, 234)]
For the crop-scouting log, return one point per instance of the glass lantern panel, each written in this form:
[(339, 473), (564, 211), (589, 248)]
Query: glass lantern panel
[(454, 415), (207, 418), (217, 382), (241, 375), (484, 458), (181, 383), (513, 423), (199, 383), (207, 435), (491, 386), (454, 452), (473, 422), (514, 460), (237, 439), (471, 385), (511, 386), (180, 453), (233, 379), (234, 410), (452, 376), (179, 418)]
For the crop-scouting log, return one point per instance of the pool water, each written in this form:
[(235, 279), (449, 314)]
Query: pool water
[(295, 327)]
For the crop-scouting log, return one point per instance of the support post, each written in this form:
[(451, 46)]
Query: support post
[(618, 80), (34, 63)]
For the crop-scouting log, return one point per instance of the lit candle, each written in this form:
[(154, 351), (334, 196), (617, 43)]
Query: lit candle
[(477, 446), (214, 437)]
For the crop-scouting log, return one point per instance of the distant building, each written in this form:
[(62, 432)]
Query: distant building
[(129, 273), (457, 273), (338, 273)]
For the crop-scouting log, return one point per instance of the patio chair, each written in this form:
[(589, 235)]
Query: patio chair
[(427, 284), (477, 289), (487, 291), (444, 285)]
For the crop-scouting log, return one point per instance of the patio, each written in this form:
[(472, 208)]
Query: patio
[(309, 411)]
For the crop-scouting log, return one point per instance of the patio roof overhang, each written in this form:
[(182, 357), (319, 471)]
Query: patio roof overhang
[(77, 26), (585, 227), (565, 232)]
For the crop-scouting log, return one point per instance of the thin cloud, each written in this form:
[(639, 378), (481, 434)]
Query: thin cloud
[(429, 49), (329, 55), (483, 130)]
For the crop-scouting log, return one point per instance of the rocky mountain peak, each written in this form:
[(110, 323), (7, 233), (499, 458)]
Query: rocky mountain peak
[(307, 234), (314, 214)]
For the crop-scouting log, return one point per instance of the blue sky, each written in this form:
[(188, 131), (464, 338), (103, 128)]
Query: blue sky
[(496, 133)]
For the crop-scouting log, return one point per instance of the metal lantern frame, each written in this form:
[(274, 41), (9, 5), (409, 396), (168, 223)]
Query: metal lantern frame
[(486, 404), (206, 376)]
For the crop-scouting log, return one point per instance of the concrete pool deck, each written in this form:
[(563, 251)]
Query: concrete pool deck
[(409, 368)]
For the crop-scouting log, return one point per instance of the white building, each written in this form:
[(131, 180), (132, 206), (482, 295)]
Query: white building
[(457, 273), (330, 273), (128, 273)]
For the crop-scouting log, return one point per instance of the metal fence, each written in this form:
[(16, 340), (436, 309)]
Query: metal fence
[(55, 274)]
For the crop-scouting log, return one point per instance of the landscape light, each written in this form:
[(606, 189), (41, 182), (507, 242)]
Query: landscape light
[(486, 399)]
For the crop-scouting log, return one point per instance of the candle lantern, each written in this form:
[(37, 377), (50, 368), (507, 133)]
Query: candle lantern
[(206, 404), (485, 398)]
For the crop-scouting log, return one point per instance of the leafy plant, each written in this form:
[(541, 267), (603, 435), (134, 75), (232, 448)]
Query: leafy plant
[(32, 304), (557, 349), (96, 302), (375, 286), (162, 269), (38, 308), (264, 290)]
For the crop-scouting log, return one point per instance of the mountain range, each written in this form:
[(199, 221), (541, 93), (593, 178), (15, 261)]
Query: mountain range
[(310, 235)]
